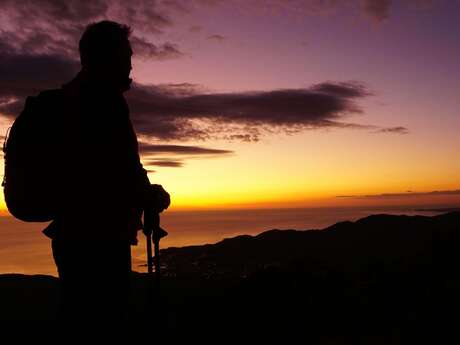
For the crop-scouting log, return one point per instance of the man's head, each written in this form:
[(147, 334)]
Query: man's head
[(105, 53)]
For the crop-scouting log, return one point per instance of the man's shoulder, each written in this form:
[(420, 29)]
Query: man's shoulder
[(45, 99), (42, 103)]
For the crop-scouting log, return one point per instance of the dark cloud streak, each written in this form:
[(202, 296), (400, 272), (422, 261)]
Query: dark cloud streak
[(148, 148), (217, 38), (186, 112), (399, 195), (25, 74), (164, 163), (147, 49), (395, 130), (164, 113), (173, 155)]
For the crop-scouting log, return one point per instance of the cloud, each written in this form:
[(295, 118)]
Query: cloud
[(217, 38), (186, 111), (396, 130), (241, 137), (155, 149), (183, 111), (344, 89), (57, 24), (25, 74), (164, 163), (275, 7), (179, 89), (173, 155), (378, 10), (164, 113), (399, 195), (147, 49)]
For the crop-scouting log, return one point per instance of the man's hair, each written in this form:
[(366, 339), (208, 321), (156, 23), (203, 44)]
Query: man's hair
[(100, 40)]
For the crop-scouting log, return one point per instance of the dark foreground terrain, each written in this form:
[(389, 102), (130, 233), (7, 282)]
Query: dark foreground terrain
[(372, 281)]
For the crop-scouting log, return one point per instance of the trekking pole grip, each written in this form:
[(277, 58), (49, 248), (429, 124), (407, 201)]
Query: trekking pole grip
[(150, 223)]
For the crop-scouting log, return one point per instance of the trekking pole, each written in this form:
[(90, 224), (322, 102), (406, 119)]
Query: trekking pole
[(148, 238), (156, 243), (151, 224), (153, 233), (155, 238)]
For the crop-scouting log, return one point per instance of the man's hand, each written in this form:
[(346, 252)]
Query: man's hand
[(158, 199), (152, 225)]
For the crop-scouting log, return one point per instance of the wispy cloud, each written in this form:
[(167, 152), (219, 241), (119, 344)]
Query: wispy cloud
[(173, 156), (57, 24), (396, 130), (155, 149), (217, 38), (145, 49), (164, 163), (399, 195), (376, 10)]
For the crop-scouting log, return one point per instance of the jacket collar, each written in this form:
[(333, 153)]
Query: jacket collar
[(82, 82)]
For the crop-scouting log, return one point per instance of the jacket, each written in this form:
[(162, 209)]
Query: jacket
[(103, 180)]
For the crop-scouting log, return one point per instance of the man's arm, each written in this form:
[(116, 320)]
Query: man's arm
[(140, 177), (147, 195)]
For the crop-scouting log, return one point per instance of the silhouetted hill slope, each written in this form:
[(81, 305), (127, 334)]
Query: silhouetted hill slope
[(348, 246), (367, 282)]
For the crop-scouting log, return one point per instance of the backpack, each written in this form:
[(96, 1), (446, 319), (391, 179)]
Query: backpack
[(31, 154)]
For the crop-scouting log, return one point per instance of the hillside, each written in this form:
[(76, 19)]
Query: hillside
[(370, 279)]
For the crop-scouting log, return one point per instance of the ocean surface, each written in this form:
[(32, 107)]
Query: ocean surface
[(24, 249)]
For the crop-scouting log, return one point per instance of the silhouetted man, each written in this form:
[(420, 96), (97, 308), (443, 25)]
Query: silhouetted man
[(106, 186)]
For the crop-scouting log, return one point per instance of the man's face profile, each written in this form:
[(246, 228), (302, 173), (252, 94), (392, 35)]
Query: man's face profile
[(120, 67)]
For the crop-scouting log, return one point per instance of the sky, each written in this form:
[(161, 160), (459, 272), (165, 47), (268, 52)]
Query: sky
[(256, 104)]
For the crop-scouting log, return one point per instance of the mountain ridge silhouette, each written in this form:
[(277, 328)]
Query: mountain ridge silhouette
[(367, 279)]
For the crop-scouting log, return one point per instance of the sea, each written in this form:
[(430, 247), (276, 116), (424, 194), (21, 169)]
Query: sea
[(25, 250)]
